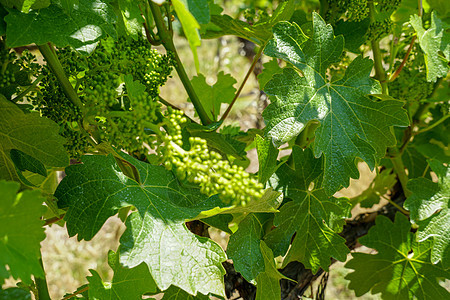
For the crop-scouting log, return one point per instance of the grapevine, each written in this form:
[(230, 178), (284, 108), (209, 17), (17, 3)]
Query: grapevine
[(219, 196)]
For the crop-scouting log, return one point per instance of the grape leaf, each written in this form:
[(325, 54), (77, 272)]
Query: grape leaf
[(435, 43), (126, 283), (258, 33), (20, 239), (199, 9), (213, 96), (244, 246), (130, 17), (315, 217), (156, 233), (267, 158), (429, 208), (352, 125), (81, 28), (174, 293), (268, 286), (31, 134), (401, 269), (14, 293), (25, 5), (270, 68), (354, 33)]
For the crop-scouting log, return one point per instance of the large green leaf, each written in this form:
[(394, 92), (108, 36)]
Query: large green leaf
[(429, 208), (82, 27), (30, 133), (156, 233), (352, 125), (435, 43), (21, 231), (126, 283), (401, 269), (312, 215), (244, 246), (213, 96)]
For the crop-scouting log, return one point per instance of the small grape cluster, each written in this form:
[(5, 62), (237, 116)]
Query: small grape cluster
[(379, 29), (357, 10), (388, 5), (411, 84), (208, 169), (53, 103)]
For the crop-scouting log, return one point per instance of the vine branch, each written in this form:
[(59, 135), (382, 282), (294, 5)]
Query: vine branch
[(249, 72), (167, 41), (55, 65)]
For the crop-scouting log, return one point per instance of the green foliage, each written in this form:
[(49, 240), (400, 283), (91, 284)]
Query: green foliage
[(401, 269), (352, 125), (312, 215), (31, 134), (429, 209), (95, 99), (20, 239), (435, 43), (81, 27)]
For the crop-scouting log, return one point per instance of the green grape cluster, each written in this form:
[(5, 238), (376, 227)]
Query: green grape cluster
[(208, 169), (76, 143), (357, 10), (7, 76), (411, 84), (379, 29), (388, 5)]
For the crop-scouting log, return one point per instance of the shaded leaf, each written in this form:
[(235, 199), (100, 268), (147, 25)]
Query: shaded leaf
[(244, 246), (20, 239), (352, 125), (126, 283), (31, 134), (268, 282), (174, 293), (401, 269)]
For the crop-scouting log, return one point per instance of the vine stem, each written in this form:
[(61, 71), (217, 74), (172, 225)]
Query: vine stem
[(41, 285), (236, 96), (399, 168), (57, 69), (76, 293), (404, 211), (167, 41), (433, 125), (405, 59)]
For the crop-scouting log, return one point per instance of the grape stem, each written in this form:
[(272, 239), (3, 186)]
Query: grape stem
[(57, 69), (76, 293), (236, 96), (167, 41)]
